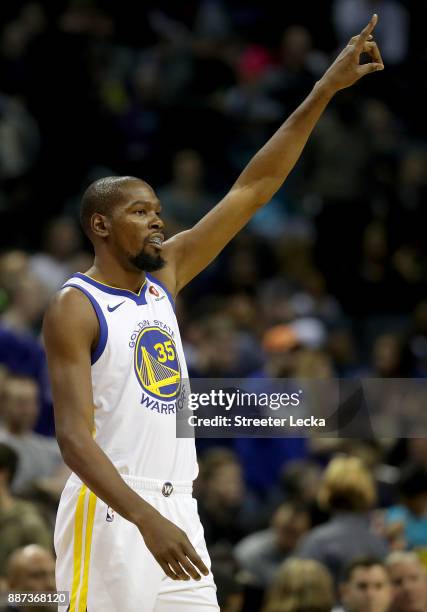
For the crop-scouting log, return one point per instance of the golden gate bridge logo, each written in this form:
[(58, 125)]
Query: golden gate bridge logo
[(156, 363)]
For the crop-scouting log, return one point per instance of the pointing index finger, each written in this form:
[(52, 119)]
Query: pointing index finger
[(365, 33)]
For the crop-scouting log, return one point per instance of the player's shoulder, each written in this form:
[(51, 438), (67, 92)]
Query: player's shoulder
[(69, 309), (69, 300)]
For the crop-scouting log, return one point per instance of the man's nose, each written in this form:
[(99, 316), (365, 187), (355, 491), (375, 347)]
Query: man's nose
[(157, 223)]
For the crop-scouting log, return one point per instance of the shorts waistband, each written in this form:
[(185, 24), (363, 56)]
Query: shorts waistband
[(165, 487)]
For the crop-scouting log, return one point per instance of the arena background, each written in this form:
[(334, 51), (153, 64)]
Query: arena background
[(329, 280)]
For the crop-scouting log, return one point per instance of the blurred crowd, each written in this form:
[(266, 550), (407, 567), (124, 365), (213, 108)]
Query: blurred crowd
[(329, 280)]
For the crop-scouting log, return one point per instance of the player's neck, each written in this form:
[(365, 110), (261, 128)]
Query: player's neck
[(111, 273)]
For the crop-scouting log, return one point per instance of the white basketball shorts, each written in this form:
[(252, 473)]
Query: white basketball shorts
[(103, 562)]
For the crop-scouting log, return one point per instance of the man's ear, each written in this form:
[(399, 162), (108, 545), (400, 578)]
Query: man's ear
[(100, 225)]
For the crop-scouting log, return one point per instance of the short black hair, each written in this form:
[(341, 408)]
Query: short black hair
[(100, 197), (365, 562), (9, 460), (412, 481)]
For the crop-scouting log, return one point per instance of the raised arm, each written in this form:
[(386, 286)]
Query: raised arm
[(191, 251), (70, 330)]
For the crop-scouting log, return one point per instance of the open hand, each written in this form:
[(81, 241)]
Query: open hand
[(347, 69), (172, 549)]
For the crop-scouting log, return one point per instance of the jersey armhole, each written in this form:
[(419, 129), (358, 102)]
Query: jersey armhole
[(103, 327)]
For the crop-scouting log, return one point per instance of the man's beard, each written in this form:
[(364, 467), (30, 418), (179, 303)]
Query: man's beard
[(146, 262)]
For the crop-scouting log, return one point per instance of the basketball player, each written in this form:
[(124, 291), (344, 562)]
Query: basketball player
[(128, 537)]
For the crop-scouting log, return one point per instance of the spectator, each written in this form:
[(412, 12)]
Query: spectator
[(249, 106), (40, 462), (23, 355), (298, 69), (62, 243), (385, 131), (365, 587), (416, 451), (418, 339), (261, 553), (388, 359), (343, 352), (222, 350), (229, 591), (20, 522), (300, 586), (334, 177), (3, 377), (13, 265), (27, 302), (412, 512), (185, 200), (138, 123), (227, 509), (19, 138), (314, 301), (300, 481), (408, 579), (348, 492), (23, 302), (31, 569)]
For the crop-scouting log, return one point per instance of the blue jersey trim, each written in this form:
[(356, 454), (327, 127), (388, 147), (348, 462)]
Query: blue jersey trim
[(103, 327), (139, 298), (168, 293)]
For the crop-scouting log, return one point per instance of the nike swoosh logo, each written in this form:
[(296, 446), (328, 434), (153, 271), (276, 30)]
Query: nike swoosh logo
[(113, 308)]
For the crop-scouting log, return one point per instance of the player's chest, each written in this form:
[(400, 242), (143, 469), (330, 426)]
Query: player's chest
[(144, 334)]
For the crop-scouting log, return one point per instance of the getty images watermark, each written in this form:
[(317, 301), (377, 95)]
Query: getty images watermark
[(235, 399), (261, 407)]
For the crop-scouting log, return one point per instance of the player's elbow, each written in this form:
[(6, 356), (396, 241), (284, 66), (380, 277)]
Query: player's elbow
[(73, 446), (266, 188)]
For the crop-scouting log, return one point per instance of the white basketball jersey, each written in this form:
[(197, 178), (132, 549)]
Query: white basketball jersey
[(137, 369)]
